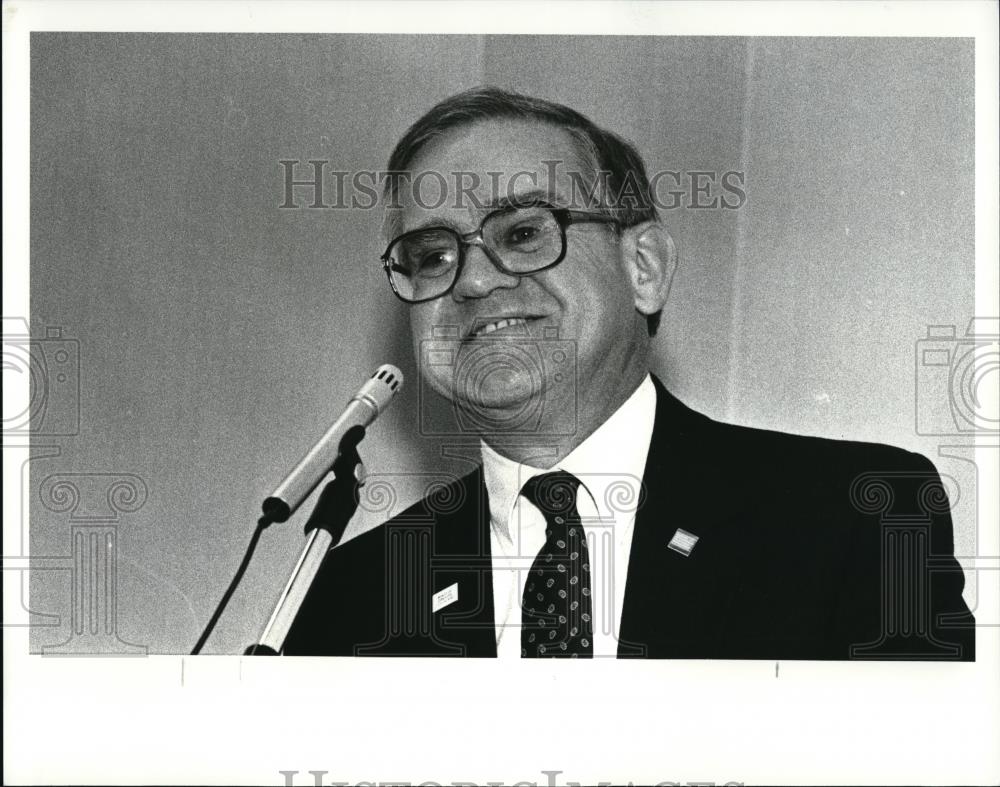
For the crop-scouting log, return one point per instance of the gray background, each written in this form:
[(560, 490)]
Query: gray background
[(219, 335)]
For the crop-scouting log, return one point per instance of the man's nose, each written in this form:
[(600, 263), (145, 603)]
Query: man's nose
[(479, 276)]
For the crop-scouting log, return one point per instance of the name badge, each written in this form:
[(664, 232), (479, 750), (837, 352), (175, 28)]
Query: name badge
[(445, 597), (683, 542)]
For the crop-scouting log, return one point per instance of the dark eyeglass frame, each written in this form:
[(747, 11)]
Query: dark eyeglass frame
[(564, 218)]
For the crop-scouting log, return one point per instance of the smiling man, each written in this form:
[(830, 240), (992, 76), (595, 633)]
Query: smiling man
[(607, 518), (519, 258)]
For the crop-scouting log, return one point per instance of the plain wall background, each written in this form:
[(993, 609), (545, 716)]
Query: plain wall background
[(219, 335)]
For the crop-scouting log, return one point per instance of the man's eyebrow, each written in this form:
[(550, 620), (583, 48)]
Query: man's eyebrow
[(527, 197), (431, 224)]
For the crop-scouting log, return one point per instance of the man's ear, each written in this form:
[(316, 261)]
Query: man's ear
[(650, 260)]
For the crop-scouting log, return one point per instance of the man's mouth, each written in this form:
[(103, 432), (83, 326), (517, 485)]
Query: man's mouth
[(519, 324)]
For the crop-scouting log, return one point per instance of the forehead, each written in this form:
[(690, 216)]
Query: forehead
[(461, 176)]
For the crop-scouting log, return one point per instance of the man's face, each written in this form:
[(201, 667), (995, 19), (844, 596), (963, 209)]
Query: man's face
[(587, 299)]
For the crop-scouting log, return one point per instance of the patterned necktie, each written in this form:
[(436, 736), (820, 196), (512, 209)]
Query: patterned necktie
[(556, 606)]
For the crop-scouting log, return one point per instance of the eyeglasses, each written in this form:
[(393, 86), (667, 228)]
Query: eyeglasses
[(520, 240)]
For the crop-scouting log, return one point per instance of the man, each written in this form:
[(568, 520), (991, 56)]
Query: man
[(607, 518)]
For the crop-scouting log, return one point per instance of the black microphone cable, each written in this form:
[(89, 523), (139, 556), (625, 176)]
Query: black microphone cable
[(262, 525)]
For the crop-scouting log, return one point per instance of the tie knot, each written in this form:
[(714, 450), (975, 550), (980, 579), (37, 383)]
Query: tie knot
[(552, 493)]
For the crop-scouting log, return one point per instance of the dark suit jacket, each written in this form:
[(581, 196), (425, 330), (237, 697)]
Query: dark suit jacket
[(807, 549)]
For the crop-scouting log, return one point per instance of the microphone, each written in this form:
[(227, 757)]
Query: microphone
[(363, 408)]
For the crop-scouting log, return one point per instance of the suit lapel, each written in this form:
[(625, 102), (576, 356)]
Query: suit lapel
[(675, 602), (462, 567)]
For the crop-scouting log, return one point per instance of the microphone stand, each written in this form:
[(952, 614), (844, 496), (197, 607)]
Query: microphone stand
[(337, 504)]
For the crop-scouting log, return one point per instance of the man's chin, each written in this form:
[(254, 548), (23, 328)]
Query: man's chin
[(497, 395), (502, 402)]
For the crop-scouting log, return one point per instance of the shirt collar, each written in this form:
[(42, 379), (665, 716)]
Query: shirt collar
[(615, 452)]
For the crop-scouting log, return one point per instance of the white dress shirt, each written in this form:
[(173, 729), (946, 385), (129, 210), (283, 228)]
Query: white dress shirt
[(609, 465)]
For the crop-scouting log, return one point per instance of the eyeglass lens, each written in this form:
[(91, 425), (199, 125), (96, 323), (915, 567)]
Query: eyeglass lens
[(424, 264)]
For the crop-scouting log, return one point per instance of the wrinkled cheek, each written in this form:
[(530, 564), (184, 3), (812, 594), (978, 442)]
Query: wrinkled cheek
[(423, 322), (435, 347), (440, 376)]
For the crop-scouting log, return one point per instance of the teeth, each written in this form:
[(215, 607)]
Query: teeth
[(496, 326)]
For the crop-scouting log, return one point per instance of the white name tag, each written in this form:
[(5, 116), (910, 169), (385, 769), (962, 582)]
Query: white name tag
[(445, 597), (683, 542)]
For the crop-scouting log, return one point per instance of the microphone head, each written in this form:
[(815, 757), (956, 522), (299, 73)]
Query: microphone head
[(385, 383)]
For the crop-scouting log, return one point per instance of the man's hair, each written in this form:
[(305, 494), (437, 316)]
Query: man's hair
[(619, 167)]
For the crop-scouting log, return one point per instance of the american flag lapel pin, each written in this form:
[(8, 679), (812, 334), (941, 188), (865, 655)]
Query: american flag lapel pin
[(683, 542)]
